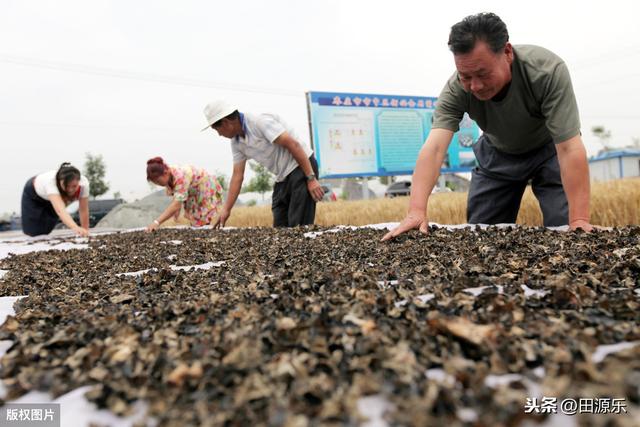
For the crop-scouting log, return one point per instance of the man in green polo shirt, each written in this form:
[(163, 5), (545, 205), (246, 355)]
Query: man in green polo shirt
[(522, 98)]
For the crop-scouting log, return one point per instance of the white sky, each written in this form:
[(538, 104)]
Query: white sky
[(129, 79)]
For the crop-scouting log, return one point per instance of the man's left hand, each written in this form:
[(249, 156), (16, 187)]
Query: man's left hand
[(315, 189)]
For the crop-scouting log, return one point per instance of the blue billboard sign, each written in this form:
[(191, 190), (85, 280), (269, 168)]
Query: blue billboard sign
[(355, 135)]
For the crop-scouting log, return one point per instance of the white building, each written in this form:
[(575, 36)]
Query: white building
[(615, 165)]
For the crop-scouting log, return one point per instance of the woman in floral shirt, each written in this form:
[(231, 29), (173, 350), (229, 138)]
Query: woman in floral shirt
[(191, 187)]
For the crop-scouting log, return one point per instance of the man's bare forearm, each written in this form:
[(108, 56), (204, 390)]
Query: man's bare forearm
[(234, 190), (574, 170), (301, 157), (427, 168)]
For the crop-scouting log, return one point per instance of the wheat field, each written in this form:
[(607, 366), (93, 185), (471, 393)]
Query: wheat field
[(613, 203)]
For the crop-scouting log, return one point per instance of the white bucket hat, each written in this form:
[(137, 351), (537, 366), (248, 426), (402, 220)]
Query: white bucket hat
[(217, 110)]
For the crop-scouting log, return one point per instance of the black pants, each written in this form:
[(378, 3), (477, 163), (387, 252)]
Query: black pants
[(291, 202), (499, 181), (38, 215)]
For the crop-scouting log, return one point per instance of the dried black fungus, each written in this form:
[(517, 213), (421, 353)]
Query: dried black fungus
[(276, 328)]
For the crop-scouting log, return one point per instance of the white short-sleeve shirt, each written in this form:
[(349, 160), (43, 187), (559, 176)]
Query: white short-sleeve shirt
[(260, 132), (45, 185)]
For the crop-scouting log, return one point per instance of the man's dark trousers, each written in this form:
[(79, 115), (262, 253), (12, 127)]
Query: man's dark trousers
[(291, 202), (499, 181)]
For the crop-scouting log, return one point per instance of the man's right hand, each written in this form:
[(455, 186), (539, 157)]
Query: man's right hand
[(222, 218), (412, 220)]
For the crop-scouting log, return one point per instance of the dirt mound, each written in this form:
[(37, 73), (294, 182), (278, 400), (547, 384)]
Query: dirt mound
[(137, 214)]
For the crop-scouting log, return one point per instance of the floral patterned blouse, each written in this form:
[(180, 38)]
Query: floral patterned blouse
[(199, 192)]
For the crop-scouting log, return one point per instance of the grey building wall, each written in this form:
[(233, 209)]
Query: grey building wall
[(614, 168)]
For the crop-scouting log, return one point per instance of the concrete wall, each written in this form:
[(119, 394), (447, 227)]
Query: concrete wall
[(605, 170), (631, 166)]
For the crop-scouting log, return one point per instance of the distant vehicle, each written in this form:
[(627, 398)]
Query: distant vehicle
[(329, 195), (441, 190), (403, 188), (10, 222), (397, 189), (98, 209)]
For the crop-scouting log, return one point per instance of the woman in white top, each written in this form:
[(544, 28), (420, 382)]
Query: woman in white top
[(46, 196)]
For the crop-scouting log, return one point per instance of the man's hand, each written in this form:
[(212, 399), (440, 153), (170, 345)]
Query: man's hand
[(411, 221), (222, 218), (582, 224), (315, 189)]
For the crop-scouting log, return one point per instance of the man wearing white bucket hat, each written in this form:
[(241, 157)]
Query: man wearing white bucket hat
[(267, 139)]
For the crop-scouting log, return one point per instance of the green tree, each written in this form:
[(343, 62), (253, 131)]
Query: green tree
[(262, 180), (94, 170), (603, 135)]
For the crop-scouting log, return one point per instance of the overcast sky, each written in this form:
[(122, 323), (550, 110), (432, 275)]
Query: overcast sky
[(128, 79)]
